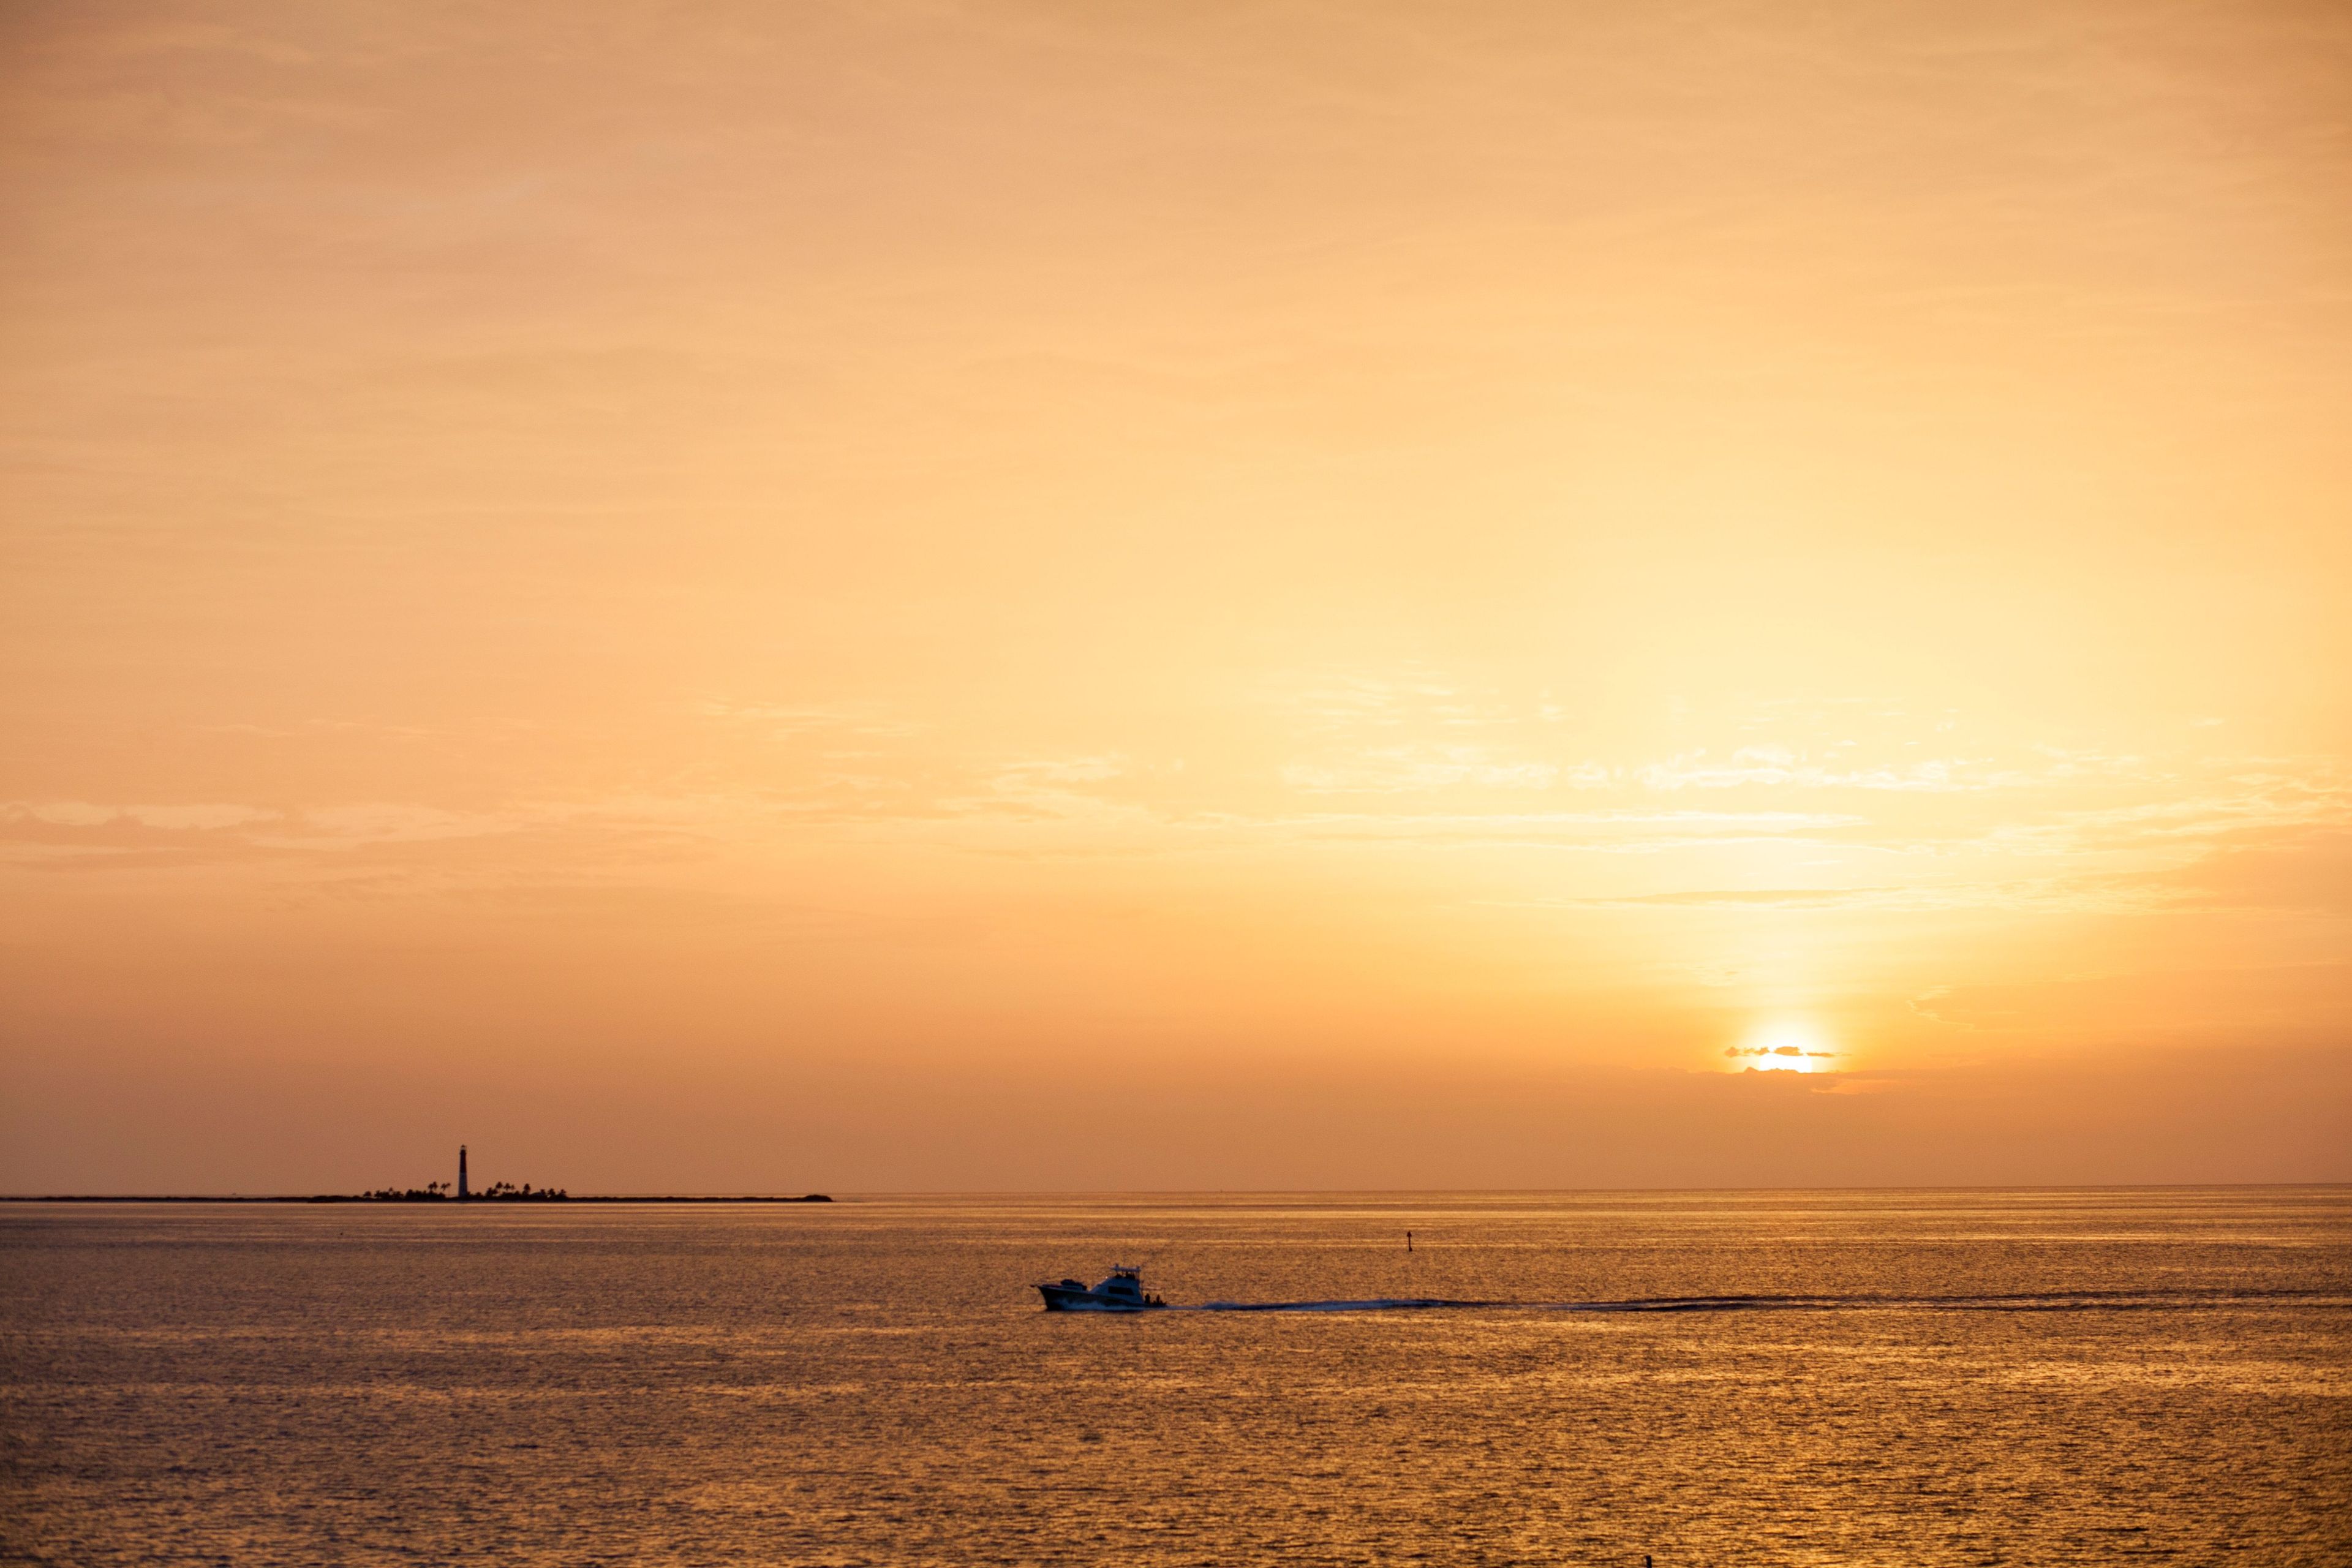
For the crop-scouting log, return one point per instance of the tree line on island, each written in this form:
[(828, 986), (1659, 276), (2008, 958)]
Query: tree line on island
[(509, 1193), (441, 1191)]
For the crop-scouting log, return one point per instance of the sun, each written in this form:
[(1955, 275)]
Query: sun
[(1783, 1044)]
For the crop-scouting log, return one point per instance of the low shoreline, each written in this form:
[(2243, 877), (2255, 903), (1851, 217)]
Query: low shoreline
[(435, 1203)]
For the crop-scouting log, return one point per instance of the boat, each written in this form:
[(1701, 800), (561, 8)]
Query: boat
[(1122, 1292)]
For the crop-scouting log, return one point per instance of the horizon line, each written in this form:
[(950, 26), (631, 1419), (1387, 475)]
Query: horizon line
[(976, 1193)]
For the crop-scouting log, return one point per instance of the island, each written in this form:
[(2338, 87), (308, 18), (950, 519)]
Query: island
[(411, 1195), (459, 1191)]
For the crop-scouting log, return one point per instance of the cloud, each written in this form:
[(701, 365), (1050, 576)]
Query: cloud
[(198, 818), (1411, 698), (2291, 870), (1057, 789), (2281, 1001), (792, 718), (1770, 897), (1777, 766), (1063, 770), (63, 835), (1736, 1051), (1400, 770), (384, 822)]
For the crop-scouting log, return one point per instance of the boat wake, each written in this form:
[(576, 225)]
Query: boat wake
[(2055, 1301)]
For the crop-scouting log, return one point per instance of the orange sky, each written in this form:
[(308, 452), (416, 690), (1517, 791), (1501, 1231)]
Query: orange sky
[(1015, 595)]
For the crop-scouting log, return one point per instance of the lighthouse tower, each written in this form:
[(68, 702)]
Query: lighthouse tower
[(461, 1173)]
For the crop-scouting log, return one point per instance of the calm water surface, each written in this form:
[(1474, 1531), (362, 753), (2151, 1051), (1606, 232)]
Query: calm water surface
[(1886, 1377)]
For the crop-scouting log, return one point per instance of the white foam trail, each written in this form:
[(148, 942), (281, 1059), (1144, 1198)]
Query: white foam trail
[(2051, 1302)]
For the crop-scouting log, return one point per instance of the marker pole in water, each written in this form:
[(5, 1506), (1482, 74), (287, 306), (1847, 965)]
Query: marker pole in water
[(1408, 1241)]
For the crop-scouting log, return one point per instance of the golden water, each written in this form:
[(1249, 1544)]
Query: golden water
[(2058, 1377)]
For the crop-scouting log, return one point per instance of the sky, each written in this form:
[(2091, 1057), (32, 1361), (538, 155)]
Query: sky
[(898, 597)]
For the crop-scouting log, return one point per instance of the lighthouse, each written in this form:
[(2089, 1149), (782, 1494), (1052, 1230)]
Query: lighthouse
[(461, 1173)]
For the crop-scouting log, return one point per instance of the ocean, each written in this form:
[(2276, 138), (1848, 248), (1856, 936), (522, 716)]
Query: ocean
[(1801, 1377)]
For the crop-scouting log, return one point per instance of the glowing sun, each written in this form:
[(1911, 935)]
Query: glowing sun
[(1783, 1046)]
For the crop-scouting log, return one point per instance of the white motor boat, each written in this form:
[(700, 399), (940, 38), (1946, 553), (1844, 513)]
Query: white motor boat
[(1122, 1292)]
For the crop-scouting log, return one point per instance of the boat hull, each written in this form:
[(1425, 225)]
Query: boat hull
[(1062, 1298)]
